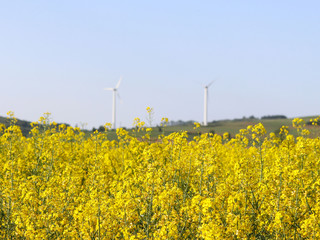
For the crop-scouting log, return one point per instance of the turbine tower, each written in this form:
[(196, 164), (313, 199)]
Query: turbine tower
[(114, 90), (205, 112)]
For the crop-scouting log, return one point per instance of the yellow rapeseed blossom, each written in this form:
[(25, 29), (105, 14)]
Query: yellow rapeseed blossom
[(196, 125), (59, 183)]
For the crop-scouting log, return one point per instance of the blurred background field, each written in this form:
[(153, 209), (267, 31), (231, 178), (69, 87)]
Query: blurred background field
[(216, 127)]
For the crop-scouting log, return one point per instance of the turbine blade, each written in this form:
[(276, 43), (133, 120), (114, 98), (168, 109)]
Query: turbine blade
[(110, 89), (118, 84), (210, 83)]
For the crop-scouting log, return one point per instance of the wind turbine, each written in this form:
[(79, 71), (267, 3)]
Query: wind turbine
[(114, 90), (205, 112)]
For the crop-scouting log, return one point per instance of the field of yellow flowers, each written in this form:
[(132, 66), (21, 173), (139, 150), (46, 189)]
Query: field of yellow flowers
[(59, 184)]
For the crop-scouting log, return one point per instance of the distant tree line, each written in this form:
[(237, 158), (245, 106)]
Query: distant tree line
[(245, 118), (99, 129), (274, 117), (103, 129), (180, 122)]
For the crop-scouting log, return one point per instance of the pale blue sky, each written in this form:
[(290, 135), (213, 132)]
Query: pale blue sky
[(57, 56)]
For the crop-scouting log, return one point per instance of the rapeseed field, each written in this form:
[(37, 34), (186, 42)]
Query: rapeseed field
[(60, 184)]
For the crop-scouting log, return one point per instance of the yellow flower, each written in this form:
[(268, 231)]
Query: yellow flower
[(64, 184), (196, 125)]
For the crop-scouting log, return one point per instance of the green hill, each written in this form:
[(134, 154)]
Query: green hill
[(233, 126), (24, 125), (230, 126), (218, 127)]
